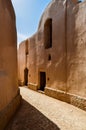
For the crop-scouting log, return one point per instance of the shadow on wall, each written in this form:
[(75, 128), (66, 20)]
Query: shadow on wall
[(29, 118)]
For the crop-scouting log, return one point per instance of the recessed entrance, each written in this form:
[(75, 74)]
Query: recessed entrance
[(42, 80), (48, 33), (26, 76)]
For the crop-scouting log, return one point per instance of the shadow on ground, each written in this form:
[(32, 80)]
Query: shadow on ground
[(29, 118)]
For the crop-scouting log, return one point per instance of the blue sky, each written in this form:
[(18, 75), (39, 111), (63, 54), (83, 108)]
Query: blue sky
[(28, 13)]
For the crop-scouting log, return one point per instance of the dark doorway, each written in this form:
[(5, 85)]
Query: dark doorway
[(26, 76), (42, 80)]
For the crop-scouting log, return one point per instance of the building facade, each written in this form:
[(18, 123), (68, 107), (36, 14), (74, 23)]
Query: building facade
[(57, 53), (9, 92)]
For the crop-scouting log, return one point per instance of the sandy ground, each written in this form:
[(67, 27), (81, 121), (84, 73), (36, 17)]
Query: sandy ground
[(40, 112)]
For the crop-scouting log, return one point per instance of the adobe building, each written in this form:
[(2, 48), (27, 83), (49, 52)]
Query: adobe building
[(9, 92), (23, 62), (57, 54)]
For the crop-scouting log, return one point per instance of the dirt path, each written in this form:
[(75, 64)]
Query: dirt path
[(40, 112)]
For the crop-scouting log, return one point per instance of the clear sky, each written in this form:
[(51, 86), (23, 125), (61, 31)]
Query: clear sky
[(28, 13)]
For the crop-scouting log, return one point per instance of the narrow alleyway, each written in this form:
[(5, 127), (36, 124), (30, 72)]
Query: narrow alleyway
[(40, 112)]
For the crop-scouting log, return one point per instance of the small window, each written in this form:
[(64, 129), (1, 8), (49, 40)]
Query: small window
[(49, 57), (48, 34)]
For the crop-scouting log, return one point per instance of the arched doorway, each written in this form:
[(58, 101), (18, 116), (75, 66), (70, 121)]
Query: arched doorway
[(48, 33), (26, 76), (42, 80)]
